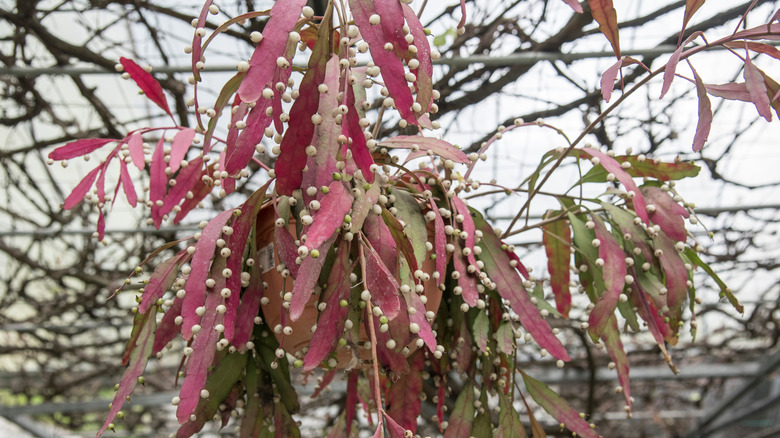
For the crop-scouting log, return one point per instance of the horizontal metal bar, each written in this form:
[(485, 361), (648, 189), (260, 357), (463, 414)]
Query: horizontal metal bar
[(524, 58)]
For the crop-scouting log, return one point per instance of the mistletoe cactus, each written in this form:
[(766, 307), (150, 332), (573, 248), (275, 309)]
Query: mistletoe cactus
[(360, 255)]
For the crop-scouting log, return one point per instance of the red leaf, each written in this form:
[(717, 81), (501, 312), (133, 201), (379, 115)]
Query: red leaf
[(286, 249), (676, 275), (424, 72), (392, 24), (292, 159), (351, 127), (510, 286), (81, 189), (308, 274), (158, 182), (101, 225), (466, 281), (557, 245), (391, 66), (242, 226), (668, 214), (262, 64), (141, 350), (147, 83), (204, 346), (426, 332), (135, 145), (127, 184), (161, 280), (328, 219), (382, 284), (181, 144), (248, 308), (403, 401), (604, 14), (188, 178), (468, 227), (612, 166), (614, 271), (240, 153), (197, 49), (754, 81), (167, 328), (201, 261), (351, 399), (331, 321), (520, 266), (611, 338), (558, 407), (574, 4), (78, 148), (671, 65)]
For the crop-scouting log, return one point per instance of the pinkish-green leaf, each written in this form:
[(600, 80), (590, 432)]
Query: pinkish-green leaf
[(606, 16), (228, 370), (676, 274), (147, 83), (78, 148), (668, 214), (557, 244), (558, 407), (331, 320), (403, 396), (754, 81), (481, 329), (308, 274), (612, 166), (610, 75), (510, 287), (439, 147), (691, 6), (505, 338), (611, 338), (468, 227), (141, 350), (574, 4), (705, 114), (671, 65), (424, 72), (262, 64), (730, 91), (462, 415), (614, 271), (466, 281), (402, 241)]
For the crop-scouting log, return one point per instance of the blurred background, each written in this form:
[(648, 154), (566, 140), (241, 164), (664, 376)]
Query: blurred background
[(61, 338)]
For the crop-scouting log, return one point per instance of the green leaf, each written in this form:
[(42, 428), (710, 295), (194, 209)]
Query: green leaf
[(645, 168), (481, 327), (462, 415), (557, 244), (725, 291), (509, 425)]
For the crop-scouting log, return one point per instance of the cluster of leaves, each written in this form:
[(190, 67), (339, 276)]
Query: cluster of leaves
[(353, 262)]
